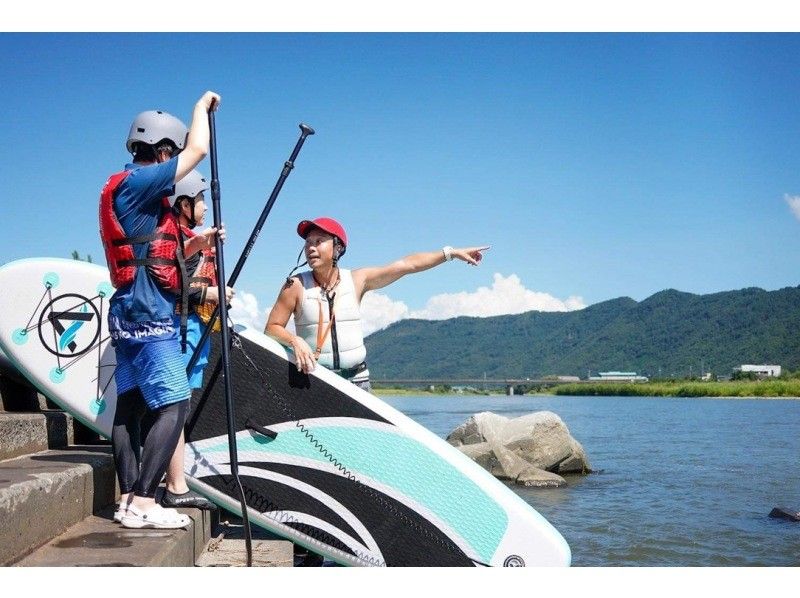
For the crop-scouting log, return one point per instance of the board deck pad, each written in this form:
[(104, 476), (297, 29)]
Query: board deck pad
[(346, 475)]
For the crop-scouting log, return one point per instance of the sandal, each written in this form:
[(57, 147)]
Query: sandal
[(156, 517), (122, 510), (120, 513)]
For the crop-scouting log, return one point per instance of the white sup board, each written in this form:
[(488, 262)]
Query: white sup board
[(347, 475)]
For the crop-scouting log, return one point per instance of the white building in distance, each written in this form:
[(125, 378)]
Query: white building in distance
[(618, 377), (765, 371)]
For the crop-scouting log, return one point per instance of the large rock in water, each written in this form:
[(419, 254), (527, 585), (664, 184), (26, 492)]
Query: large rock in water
[(531, 450)]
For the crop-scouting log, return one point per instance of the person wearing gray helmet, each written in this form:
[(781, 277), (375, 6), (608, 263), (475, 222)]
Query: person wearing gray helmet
[(189, 205), (141, 239)]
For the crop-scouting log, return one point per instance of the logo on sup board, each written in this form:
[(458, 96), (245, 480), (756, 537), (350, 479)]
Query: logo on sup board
[(74, 322), (514, 561)]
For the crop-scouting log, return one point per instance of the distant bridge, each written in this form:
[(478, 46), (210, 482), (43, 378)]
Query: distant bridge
[(465, 381), (508, 383)]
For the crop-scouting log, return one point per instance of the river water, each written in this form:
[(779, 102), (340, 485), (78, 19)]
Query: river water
[(678, 482)]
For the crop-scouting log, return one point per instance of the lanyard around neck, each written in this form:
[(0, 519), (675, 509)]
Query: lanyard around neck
[(322, 336)]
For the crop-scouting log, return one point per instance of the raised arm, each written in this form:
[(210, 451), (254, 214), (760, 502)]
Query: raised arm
[(199, 138), (369, 279)]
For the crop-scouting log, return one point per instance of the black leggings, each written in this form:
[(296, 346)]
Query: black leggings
[(160, 430)]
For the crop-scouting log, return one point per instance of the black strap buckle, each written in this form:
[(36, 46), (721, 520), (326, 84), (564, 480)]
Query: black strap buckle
[(348, 373)]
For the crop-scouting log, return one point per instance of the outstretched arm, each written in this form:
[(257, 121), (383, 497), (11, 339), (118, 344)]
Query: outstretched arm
[(369, 279)]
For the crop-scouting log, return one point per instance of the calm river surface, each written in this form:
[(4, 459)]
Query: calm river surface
[(678, 482)]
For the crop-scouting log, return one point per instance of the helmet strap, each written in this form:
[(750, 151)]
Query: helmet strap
[(289, 279), (337, 250), (192, 220)]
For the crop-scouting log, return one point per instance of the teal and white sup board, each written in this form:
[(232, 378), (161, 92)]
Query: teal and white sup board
[(347, 475)]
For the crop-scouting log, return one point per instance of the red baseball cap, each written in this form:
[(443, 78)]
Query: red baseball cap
[(329, 225)]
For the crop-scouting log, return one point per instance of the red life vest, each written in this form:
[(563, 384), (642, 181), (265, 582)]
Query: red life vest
[(206, 273), (164, 252)]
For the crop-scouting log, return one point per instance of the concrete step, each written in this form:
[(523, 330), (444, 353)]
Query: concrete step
[(16, 393), (99, 542), (228, 547), (44, 494), (27, 433), (224, 552)]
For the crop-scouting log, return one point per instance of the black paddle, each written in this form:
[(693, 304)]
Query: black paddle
[(305, 131), (223, 308)]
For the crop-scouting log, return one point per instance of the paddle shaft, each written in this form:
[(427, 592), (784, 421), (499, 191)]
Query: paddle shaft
[(226, 360), (305, 131)]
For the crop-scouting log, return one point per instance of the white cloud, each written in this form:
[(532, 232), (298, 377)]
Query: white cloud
[(507, 295), (378, 311), (794, 204), (244, 310)]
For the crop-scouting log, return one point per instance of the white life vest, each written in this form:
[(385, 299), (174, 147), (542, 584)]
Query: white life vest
[(345, 334)]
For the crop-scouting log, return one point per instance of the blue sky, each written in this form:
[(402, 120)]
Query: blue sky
[(596, 165)]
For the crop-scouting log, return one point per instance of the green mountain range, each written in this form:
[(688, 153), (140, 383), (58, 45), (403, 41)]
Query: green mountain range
[(668, 334)]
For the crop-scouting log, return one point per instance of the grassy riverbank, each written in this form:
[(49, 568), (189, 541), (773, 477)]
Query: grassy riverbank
[(741, 388), (390, 392)]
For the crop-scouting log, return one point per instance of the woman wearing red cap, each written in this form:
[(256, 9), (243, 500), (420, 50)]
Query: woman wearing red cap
[(325, 300)]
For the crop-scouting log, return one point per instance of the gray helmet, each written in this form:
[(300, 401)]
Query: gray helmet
[(192, 185), (153, 126)]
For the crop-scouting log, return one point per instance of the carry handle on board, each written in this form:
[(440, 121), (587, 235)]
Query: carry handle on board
[(251, 424)]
